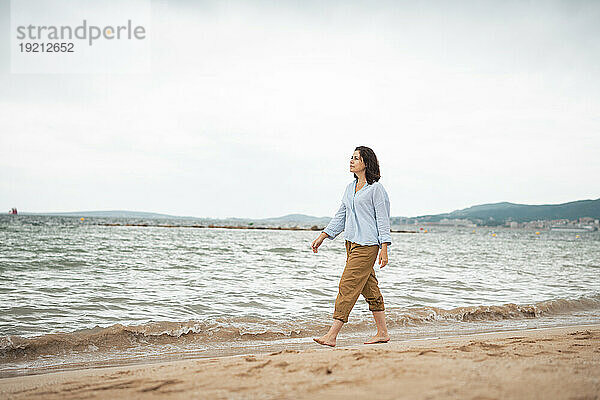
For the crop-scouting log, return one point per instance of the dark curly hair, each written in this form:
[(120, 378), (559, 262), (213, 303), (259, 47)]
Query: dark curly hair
[(372, 165)]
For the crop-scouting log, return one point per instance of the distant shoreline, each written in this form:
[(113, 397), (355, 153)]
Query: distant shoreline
[(277, 228)]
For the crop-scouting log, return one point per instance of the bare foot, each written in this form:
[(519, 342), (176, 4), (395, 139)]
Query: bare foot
[(378, 339), (325, 341)]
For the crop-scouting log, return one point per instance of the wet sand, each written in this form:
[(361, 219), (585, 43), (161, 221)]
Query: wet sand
[(555, 363)]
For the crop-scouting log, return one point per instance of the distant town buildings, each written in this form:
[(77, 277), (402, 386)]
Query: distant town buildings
[(580, 224), (457, 222)]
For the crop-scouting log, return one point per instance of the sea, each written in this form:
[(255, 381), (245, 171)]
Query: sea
[(106, 291)]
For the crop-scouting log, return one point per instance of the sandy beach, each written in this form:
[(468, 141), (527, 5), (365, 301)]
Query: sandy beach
[(553, 363)]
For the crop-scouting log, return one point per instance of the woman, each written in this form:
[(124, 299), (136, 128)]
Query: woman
[(365, 217)]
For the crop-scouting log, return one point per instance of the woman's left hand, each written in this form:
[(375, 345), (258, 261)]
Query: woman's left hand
[(383, 258)]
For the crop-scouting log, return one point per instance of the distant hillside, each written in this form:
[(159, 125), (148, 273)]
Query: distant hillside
[(299, 218), (501, 212), (107, 214), (484, 214), (288, 220)]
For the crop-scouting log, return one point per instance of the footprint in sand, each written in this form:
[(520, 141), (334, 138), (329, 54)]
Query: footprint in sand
[(427, 351), (583, 335), (282, 364), (483, 345), (160, 384), (359, 355), (284, 351)]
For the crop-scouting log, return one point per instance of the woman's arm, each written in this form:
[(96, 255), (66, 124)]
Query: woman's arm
[(334, 228), (337, 223), (382, 216)]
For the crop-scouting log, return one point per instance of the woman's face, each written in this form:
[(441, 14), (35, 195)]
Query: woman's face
[(356, 162)]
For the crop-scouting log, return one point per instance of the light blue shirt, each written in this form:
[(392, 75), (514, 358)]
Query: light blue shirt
[(364, 215)]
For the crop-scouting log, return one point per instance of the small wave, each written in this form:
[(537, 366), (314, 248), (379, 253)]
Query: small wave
[(196, 334), (283, 250), (164, 333), (492, 312)]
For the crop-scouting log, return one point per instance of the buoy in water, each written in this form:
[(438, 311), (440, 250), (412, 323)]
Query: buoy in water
[(493, 234), (82, 218), (576, 236), (425, 231), (537, 233)]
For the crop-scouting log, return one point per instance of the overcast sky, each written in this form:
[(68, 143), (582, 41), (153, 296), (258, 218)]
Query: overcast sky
[(253, 109)]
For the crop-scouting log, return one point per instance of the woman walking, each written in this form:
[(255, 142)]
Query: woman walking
[(364, 215)]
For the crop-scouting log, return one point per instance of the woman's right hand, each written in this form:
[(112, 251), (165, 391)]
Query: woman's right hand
[(317, 242)]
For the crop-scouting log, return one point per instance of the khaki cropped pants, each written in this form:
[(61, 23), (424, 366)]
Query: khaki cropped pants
[(358, 278)]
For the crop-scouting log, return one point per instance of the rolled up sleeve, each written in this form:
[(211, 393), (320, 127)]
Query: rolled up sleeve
[(337, 223), (382, 215)]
